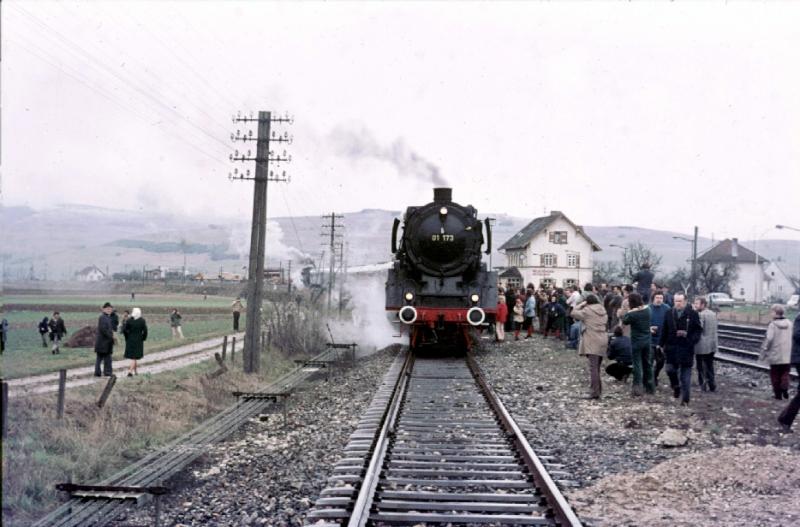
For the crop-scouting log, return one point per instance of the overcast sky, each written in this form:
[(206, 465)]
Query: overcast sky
[(660, 116)]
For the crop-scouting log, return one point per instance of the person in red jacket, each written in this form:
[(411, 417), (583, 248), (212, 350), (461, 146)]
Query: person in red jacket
[(502, 316)]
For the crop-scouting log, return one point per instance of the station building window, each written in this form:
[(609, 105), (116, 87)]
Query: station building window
[(549, 260), (547, 283), (570, 282), (514, 282), (573, 260)]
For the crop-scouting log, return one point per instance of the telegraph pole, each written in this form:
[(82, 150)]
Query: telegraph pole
[(290, 278), (333, 237), (258, 229), (694, 262)]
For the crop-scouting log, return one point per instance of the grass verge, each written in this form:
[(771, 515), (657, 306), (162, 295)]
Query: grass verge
[(90, 443), (31, 358)]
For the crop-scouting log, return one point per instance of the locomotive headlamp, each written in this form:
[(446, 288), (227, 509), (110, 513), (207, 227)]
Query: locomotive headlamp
[(474, 298), (409, 296), (443, 211)]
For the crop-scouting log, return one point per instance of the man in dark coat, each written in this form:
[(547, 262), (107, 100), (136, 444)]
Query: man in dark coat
[(511, 300), (681, 331), (104, 344), (57, 331), (790, 412)]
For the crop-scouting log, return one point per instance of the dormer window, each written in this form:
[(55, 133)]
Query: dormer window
[(559, 237)]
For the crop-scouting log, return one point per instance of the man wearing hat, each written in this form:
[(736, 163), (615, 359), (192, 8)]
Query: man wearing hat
[(104, 344)]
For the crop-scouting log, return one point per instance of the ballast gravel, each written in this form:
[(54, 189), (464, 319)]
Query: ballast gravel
[(268, 474), (729, 462)]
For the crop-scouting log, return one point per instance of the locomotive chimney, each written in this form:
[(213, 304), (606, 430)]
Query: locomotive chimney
[(442, 195)]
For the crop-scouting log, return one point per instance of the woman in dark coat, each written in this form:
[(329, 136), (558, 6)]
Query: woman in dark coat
[(135, 331)]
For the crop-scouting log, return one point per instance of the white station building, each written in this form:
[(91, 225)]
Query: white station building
[(550, 251)]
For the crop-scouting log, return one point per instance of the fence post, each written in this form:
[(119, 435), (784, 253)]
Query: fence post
[(62, 389), (224, 346), (233, 348), (5, 408), (107, 391)]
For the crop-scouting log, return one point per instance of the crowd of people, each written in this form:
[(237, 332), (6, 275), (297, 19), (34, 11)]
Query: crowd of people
[(132, 326), (55, 328), (644, 330)]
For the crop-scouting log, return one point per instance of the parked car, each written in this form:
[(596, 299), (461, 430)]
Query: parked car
[(719, 300), (794, 301)]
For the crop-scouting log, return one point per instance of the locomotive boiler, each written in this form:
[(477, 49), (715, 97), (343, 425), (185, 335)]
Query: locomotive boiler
[(438, 288)]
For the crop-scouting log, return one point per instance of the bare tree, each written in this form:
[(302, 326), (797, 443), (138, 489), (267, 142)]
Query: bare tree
[(712, 277), (606, 272), (679, 280), (636, 254)]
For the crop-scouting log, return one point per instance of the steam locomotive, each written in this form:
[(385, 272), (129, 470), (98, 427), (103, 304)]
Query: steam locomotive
[(438, 288)]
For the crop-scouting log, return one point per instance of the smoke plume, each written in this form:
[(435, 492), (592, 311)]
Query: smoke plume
[(360, 143)]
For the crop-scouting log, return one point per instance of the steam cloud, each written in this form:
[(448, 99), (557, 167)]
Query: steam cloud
[(360, 143), (369, 326), (276, 249)]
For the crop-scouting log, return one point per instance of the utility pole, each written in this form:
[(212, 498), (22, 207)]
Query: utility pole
[(332, 226), (694, 262), (290, 278), (258, 229)]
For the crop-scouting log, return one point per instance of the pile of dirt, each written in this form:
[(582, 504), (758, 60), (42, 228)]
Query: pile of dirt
[(741, 485), (83, 338)]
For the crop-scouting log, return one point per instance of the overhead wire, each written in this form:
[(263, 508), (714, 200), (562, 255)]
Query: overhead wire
[(132, 83), (30, 47), (145, 71)]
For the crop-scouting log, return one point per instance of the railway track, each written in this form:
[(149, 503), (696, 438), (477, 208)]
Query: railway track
[(437, 446)]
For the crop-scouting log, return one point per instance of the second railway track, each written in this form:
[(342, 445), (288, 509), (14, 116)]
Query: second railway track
[(437, 446), (739, 346)]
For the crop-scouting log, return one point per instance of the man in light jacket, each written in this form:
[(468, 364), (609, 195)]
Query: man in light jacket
[(790, 412), (706, 347), (777, 352)]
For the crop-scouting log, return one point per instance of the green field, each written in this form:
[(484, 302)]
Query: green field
[(25, 355), (121, 302)]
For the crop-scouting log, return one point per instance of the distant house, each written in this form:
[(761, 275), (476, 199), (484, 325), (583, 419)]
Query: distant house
[(225, 276), (778, 286), (90, 274), (157, 273), (551, 251), (749, 284)]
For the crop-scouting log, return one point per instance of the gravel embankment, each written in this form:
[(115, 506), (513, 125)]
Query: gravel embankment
[(268, 475), (736, 467)]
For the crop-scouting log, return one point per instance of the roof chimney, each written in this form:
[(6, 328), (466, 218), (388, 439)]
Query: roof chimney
[(735, 248), (442, 195)]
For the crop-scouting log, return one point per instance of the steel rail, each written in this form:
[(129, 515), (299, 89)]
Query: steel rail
[(366, 494), (561, 509), (441, 448), (170, 459)]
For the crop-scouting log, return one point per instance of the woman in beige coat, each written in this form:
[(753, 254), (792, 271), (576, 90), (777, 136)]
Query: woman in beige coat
[(594, 340)]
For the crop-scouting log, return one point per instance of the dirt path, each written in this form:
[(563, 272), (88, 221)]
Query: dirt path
[(166, 360)]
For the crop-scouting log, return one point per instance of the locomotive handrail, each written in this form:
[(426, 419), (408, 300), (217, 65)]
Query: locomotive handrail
[(394, 235)]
